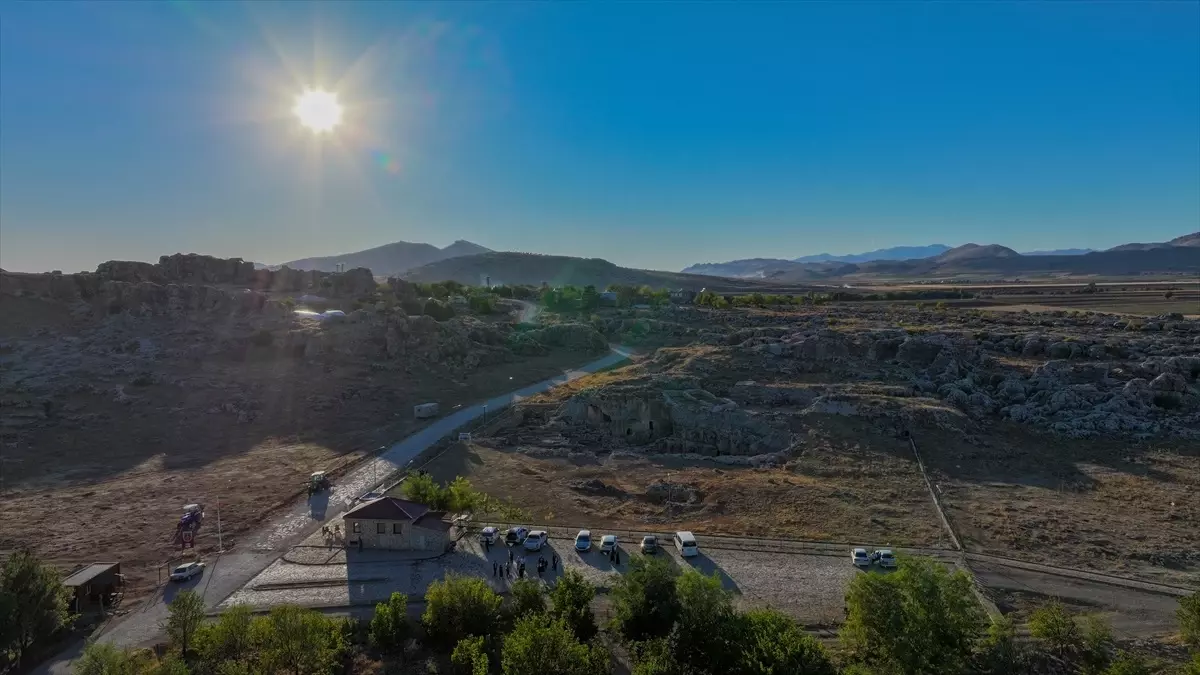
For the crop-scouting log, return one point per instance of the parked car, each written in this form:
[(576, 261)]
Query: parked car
[(686, 543), (515, 535), (489, 535), (536, 540), (649, 544), (885, 558), (608, 542), (583, 541), (187, 571), (859, 557)]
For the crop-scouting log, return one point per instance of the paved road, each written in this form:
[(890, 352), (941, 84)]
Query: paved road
[(289, 525)]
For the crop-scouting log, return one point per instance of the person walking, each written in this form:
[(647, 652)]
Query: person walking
[(510, 556), (616, 557), (554, 562), (495, 569)]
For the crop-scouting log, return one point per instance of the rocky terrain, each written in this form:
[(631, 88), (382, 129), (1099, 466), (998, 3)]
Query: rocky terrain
[(130, 391), (1009, 409)]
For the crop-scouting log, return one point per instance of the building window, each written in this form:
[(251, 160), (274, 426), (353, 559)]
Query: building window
[(395, 528), (357, 527), (380, 528)]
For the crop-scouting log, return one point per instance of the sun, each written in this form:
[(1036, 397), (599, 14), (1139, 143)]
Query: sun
[(318, 110)]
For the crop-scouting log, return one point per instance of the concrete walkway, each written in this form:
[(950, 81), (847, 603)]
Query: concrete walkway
[(290, 525)]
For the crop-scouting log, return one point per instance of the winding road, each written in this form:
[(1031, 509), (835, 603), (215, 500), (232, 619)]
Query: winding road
[(289, 525)]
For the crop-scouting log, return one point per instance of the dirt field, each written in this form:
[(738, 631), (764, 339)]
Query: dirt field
[(841, 489), (115, 491)]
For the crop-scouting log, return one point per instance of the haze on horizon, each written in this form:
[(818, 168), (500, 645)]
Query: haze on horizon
[(652, 135)]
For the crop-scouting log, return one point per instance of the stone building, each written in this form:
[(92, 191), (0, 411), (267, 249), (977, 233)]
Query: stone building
[(396, 524)]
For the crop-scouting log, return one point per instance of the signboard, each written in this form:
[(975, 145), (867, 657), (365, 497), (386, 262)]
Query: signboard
[(464, 436)]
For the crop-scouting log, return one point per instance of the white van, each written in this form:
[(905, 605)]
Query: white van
[(686, 543)]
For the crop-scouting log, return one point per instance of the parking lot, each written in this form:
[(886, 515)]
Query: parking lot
[(809, 587)]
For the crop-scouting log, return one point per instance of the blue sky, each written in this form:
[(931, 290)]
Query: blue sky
[(651, 134)]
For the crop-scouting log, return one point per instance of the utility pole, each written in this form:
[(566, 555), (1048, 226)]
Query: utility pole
[(220, 539)]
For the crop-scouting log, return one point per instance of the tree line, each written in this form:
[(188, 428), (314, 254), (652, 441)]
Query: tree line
[(920, 620)]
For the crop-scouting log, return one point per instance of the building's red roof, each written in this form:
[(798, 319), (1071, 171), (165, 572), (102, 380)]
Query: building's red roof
[(388, 508)]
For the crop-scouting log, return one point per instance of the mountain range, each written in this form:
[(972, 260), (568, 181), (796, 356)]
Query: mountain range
[(1179, 254), (390, 259)]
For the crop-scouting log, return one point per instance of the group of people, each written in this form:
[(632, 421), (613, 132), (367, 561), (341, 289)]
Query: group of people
[(507, 569)]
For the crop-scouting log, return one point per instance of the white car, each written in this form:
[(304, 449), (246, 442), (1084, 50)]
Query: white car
[(187, 571), (885, 557), (608, 542), (489, 535), (583, 541), (515, 535), (535, 540), (859, 557)]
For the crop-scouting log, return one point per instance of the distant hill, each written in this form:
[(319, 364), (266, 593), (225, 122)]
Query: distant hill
[(1187, 240), (390, 259), (557, 270), (894, 253), (1060, 251), (1181, 254)]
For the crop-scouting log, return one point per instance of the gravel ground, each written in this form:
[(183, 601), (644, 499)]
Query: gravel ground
[(809, 587)]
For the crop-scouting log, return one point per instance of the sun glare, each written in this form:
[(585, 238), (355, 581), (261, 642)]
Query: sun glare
[(318, 110)]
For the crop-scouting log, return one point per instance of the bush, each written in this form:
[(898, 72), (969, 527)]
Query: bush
[(704, 639), (459, 607), (228, 640), (300, 641), (481, 304), (412, 306), (438, 310), (262, 338), (937, 609), (390, 629), (536, 647), (33, 604), (571, 602), (470, 656), (644, 600), (1189, 620), (1128, 663), (526, 598), (1054, 626), (770, 642)]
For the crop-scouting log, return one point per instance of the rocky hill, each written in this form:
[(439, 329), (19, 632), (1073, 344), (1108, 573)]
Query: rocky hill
[(389, 259), (556, 270)]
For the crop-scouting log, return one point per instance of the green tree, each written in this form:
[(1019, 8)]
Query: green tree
[(1097, 644), (526, 597), (589, 299), (999, 653), (390, 628), (301, 641), (704, 639), (470, 656), (423, 489), (1054, 626), (920, 619), (653, 657), (1189, 619), (459, 607), (481, 304), (36, 604), (1193, 667), (1128, 663), (102, 658), (184, 616), (462, 496), (770, 643), (644, 601), (571, 601), (537, 646), (226, 640)]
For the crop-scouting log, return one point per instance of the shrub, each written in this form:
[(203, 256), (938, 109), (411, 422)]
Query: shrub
[(469, 656), (226, 640), (937, 609), (571, 601), (412, 306), (300, 641), (704, 638), (526, 598), (770, 642), (1189, 620), (536, 647), (644, 600), (390, 628), (438, 310), (262, 338), (1128, 663), (458, 607), (1054, 626), (33, 603)]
